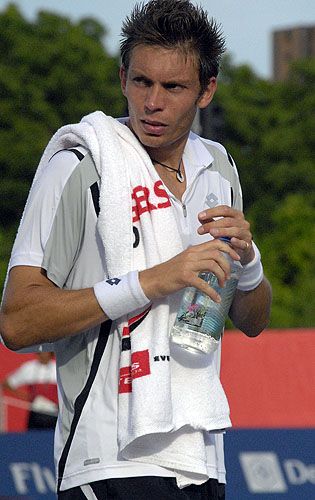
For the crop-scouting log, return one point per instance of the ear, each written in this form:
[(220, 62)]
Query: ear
[(123, 79), (208, 94)]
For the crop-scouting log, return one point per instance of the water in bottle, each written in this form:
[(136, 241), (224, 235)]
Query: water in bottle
[(200, 320)]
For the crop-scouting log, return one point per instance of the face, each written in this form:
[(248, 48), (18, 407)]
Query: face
[(163, 92)]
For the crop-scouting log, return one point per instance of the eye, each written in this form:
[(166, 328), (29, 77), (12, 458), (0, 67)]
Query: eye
[(173, 86), (141, 80)]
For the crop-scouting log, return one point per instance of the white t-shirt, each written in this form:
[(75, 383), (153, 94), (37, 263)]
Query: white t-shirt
[(58, 233)]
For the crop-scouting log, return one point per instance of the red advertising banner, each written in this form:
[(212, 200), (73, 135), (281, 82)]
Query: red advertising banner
[(270, 379)]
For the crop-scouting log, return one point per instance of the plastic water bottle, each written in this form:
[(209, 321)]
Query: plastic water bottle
[(200, 321)]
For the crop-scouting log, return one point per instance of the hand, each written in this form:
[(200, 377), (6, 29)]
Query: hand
[(227, 221), (182, 270)]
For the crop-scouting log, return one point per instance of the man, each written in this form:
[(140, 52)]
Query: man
[(135, 414), (38, 376)]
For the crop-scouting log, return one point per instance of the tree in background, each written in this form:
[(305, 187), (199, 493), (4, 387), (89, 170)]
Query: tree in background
[(269, 130), (53, 71)]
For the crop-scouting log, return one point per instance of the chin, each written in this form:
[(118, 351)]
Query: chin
[(150, 141)]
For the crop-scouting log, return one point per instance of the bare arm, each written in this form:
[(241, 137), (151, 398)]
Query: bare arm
[(250, 311), (35, 311)]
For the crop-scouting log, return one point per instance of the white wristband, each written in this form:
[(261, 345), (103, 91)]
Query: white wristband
[(252, 274), (121, 295)]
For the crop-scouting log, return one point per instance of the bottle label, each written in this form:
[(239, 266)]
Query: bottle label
[(200, 321), (194, 314)]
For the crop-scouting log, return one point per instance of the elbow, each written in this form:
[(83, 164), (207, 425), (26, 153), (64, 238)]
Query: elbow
[(9, 334), (254, 332), (255, 329)]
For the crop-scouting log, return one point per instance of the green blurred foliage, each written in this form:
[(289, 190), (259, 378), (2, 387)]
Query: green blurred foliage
[(53, 71), (289, 257), (269, 130)]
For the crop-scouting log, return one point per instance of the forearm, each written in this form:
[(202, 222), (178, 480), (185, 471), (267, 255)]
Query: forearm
[(39, 313), (250, 311)]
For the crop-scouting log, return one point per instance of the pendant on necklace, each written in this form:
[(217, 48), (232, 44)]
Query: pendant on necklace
[(179, 176)]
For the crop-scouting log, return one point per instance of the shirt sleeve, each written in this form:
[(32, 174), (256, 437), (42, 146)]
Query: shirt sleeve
[(44, 206)]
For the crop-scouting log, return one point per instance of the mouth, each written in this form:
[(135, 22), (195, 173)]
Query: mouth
[(153, 127)]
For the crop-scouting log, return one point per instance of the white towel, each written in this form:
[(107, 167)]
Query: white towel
[(168, 398)]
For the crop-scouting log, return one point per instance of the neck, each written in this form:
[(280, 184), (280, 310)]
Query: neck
[(180, 176), (169, 155)]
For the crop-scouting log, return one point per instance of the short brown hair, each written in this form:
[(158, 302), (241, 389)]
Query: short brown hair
[(175, 24)]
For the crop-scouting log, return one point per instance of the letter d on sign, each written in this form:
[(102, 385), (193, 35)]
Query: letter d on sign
[(297, 471)]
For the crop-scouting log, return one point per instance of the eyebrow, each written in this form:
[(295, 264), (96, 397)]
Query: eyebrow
[(173, 81)]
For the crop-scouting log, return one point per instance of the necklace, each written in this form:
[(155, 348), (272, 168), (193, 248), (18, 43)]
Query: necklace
[(179, 174)]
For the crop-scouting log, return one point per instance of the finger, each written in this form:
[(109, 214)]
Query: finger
[(213, 245), (221, 269), (203, 286), (234, 232), (219, 211), (216, 263), (207, 259), (226, 248), (227, 226), (242, 244), (245, 249), (215, 227)]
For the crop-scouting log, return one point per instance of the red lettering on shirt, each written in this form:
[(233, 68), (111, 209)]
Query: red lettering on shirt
[(141, 200), (161, 193), (140, 364), (125, 380), (140, 367), (140, 196)]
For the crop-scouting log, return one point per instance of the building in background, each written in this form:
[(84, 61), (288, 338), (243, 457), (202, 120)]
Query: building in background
[(290, 45)]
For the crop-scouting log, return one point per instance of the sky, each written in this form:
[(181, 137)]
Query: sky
[(247, 24)]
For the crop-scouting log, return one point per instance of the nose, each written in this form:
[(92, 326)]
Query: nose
[(154, 100)]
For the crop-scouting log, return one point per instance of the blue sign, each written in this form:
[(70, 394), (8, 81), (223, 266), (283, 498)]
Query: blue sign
[(27, 465), (270, 464)]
